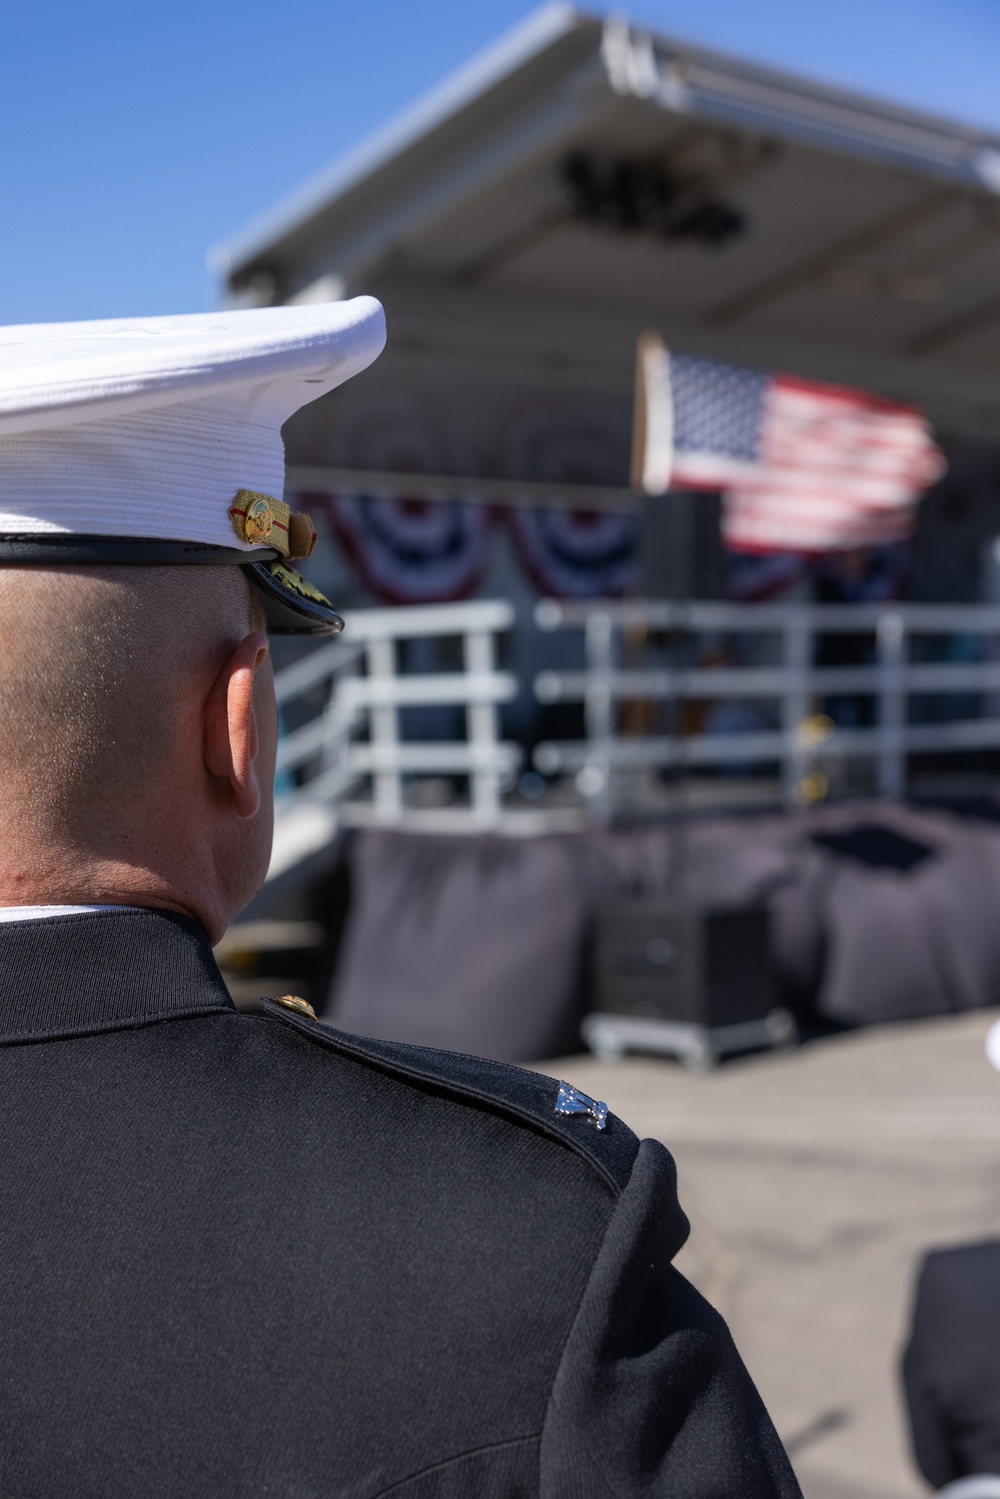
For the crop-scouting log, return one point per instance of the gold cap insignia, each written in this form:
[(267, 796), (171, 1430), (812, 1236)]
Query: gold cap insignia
[(294, 581), (258, 520), (293, 1002), (261, 520)]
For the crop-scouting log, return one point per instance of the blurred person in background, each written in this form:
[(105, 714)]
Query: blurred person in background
[(951, 1367), (951, 1371)]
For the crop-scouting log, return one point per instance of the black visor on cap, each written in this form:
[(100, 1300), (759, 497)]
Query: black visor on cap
[(292, 606), (61, 549)]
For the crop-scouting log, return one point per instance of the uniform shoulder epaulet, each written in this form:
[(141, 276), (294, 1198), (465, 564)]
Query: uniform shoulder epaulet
[(583, 1124)]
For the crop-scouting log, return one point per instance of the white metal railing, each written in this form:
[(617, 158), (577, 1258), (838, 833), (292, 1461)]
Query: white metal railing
[(349, 763), (801, 735), (346, 757)]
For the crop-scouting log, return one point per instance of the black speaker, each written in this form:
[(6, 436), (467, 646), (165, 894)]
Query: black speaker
[(659, 961)]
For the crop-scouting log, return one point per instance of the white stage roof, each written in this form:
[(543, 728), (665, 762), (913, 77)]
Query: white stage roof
[(587, 173)]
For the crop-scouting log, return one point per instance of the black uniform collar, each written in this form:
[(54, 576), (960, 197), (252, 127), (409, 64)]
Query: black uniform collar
[(100, 970)]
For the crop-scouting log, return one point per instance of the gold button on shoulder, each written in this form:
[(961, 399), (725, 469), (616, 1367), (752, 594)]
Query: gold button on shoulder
[(293, 1002)]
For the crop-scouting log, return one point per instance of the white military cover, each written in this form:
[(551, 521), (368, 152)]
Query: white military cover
[(148, 427)]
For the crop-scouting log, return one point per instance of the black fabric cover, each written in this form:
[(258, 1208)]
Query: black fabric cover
[(878, 912), (244, 1255), (951, 1368)]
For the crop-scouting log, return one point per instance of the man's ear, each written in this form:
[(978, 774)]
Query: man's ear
[(231, 736)]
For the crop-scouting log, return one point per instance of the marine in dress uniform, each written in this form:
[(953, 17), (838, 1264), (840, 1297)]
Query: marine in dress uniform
[(249, 1254)]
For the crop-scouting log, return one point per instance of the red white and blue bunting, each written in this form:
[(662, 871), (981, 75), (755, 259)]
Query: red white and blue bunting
[(572, 553), (408, 549), (413, 551), (577, 553)]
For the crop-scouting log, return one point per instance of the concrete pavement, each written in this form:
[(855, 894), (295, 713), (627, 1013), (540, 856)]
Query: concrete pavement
[(814, 1180)]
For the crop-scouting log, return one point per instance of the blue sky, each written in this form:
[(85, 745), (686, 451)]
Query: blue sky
[(137, 136)]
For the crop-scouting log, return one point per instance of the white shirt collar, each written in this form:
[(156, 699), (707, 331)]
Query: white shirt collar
[(39, 913)]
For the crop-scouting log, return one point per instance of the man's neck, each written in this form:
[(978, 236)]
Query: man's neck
[(42, 874)]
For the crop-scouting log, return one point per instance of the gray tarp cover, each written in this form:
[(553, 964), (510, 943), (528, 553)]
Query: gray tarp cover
[(475, 944)]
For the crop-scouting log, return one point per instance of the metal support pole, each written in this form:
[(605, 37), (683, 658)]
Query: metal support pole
[(594, 780), (481, 728), (384, 721), (798, 652), (890, 639), (339, 715)]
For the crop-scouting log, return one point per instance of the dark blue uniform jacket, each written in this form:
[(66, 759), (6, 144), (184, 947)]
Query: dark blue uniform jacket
[(248, 1255)]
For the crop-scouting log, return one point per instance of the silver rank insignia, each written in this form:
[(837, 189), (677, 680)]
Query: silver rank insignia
[(572, 1101)]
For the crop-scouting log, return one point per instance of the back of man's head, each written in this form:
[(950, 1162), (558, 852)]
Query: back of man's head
[(103, 691)]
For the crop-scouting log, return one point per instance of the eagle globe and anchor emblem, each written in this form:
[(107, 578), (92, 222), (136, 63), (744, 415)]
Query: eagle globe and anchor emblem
[(258, 520)]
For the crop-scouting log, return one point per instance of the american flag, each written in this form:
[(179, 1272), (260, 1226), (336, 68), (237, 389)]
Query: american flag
[(804, 467)]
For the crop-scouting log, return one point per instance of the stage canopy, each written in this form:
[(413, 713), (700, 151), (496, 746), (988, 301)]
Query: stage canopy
[(584, 178)]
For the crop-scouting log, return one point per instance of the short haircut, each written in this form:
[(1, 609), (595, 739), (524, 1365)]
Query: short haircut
[(100, 669)]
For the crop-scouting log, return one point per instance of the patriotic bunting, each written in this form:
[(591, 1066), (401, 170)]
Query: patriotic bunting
[(427, 551), (408, 550), (577, 553), (573, 553), (413, 551)]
